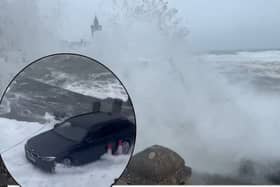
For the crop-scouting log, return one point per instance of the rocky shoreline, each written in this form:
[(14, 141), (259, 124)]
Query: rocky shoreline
[(158, 165)]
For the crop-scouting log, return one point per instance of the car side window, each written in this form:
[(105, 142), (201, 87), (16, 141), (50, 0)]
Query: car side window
[(97, 134), (122, 125), (108, 129)]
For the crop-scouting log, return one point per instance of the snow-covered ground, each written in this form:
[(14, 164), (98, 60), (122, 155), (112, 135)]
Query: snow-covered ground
[(13, 137), (13, 132)]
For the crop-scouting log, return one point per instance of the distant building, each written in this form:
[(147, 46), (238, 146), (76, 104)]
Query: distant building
[(95, 26)]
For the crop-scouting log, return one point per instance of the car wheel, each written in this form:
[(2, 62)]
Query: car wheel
[(126, 147), (67, 162)]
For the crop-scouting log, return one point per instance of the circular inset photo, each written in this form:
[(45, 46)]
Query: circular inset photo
[(66, 120)]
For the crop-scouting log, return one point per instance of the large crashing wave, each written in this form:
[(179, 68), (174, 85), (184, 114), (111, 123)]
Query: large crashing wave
[(197, 113), (211, 123)]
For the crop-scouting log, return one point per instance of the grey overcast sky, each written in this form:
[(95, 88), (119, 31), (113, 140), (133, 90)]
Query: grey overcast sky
[(231, 24), (213, 24)]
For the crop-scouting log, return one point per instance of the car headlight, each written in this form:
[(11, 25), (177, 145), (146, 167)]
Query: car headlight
[(48, 158)]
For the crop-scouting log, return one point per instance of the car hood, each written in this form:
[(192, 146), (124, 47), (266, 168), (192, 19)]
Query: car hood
[(49, 144)]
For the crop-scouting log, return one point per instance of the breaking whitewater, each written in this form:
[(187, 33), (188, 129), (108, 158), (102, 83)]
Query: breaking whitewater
[(215, 109)]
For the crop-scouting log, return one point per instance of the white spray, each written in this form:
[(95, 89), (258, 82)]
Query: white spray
[(180, 101)]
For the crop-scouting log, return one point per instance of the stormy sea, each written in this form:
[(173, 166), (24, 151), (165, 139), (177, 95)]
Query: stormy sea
[(253, 78), (61, 85), (218, 109)]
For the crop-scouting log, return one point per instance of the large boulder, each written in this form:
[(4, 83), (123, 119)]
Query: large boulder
[(156, 165)]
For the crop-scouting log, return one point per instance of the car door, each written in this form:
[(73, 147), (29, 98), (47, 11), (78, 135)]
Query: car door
[(80, 154), (102, 137), (88, 150), (95, 144)]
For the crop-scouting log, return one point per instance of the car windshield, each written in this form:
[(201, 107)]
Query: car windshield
[(68, 131)]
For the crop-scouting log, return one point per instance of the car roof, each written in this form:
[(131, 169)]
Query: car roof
[(87, 121)]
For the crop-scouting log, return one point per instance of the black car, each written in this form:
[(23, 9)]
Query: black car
[(80, 140)]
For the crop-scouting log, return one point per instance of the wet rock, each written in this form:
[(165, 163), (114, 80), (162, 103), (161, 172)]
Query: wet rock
[(5, 177), (156, 165)]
